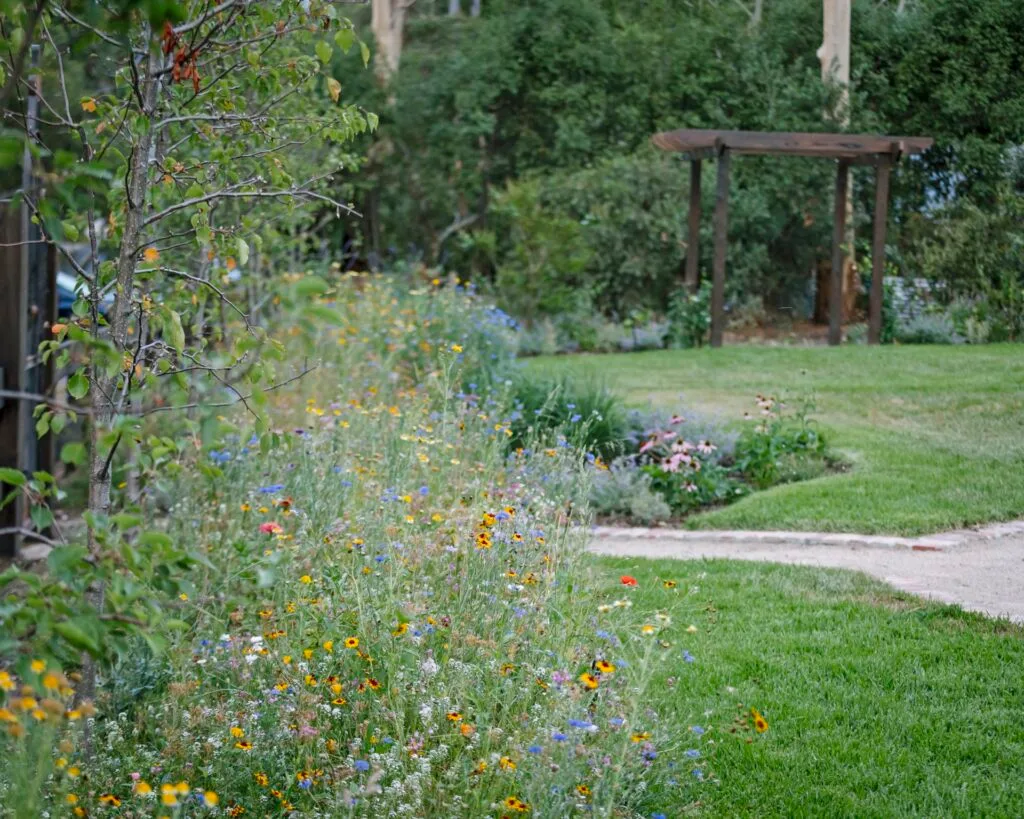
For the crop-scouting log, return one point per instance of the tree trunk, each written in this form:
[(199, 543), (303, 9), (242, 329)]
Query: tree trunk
[(454, 8), (388, 22), (834, 55), (474, 9)]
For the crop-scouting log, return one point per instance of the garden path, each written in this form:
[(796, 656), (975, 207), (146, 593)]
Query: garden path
[(979, 569)]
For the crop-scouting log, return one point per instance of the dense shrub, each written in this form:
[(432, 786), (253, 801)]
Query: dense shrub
[(689, 317), (929, 328)]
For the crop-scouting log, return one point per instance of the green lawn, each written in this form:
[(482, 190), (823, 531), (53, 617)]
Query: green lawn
[(879, 704), (935, 433)]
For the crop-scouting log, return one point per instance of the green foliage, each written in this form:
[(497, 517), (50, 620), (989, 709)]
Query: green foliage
[(781, 445), (928, 328), (689, 317), (540, 273), (581, 412)]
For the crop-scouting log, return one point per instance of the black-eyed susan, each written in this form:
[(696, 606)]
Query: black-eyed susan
[(237, 731), (517, 537), (588, 680), (506, 669), (110, 799), (373, 684), (351, 642), (400, 629), (339, 701), (261, 779), (583, 790), (507, 763), (639, 736), (668, 584), (604, 666), (243, 745), (760, 723), (516, 804), (454, 716)]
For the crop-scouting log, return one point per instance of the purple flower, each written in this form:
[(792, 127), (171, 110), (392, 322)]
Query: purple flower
[(688, 657), (424, 490)]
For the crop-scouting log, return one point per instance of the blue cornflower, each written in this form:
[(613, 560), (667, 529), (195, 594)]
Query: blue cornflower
[(697, 772), (535, 749), (697, 730), (306, 784), (693, 753), (688, 657), (362, 765), (581, 723), (559, 737), (617, 721), (576, 417), (650, 755), (270, 490), (424, 490), (657, 816), (381, 558)]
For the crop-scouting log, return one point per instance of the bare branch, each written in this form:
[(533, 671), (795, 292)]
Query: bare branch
[(271, 388)]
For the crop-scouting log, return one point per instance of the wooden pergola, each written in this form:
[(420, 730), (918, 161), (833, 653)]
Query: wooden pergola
[(847, 149)]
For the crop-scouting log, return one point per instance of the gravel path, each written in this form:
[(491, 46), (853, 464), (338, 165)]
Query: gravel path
[(981, 569)]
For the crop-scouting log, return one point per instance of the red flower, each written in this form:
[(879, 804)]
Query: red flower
[(628, 580), (270, 528)]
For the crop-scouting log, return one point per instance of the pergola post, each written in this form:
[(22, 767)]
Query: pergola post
[(721, 234), (693, 237), (882, 172), (835, 296)]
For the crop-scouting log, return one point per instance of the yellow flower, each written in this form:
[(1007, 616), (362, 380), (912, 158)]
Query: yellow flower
[(71, 799), (151, 254), (647, 628), (516, 804), (605, 667), (328, 645), (583, 790), (169, 798), (110, 799), (306, 579), (640, 736), (6, 682), (51, 682), (454, 716), (142, 788), (244, 745), (456, 348), (38, 666), (588, 680), (237, 732), (351, 642), (210, 799), (400, 629), (74, 771), (261, 778), (506, 764), (760, 723)]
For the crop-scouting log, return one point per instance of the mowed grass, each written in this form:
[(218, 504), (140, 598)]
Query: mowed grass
[(879, 704), (934, 434)]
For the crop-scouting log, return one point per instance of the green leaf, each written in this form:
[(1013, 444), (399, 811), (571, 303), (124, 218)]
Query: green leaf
[(65, 559), (243, 251), (78, 385), (324, 51), (344, 39), (41, 516), (152, 538), (79, 638), (70, 231), (73, 453), (12, 476), (175, 331), (310, 286), (365, 50)]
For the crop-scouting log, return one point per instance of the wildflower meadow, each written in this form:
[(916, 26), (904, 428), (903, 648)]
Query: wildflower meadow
[(386, 610)]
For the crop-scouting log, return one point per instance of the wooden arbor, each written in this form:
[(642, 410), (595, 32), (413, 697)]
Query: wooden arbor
[(847, 149)]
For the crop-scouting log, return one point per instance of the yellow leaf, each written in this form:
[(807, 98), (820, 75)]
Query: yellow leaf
[(334, 89), (230, 264), (151, 254), (89, 105)]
